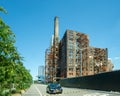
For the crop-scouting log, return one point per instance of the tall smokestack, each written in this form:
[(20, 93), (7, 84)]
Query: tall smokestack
[(56, 28), (51, 43)]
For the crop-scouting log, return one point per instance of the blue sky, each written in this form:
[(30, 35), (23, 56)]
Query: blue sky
[(32, 22)]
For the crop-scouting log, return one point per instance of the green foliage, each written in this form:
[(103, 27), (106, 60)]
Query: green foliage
[(12, 71), (3, 10)]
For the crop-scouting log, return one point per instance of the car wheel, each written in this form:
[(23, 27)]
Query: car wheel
[(47, 90), (61, 92)]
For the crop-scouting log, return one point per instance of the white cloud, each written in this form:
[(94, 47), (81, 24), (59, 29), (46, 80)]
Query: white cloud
[(117, 58), (109, 58)]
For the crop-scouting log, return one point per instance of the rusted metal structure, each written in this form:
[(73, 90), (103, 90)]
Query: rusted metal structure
[(77, 58), (73, 56), (52, 56), (98, 57), (48, 65)]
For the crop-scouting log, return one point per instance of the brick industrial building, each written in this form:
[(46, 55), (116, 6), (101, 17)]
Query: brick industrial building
[(72, 56)]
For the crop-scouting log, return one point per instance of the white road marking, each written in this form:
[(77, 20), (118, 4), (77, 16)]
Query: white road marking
[(38, 90), (96, 94)]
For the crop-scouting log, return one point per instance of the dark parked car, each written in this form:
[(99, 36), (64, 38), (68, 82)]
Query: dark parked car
[(54, 88)]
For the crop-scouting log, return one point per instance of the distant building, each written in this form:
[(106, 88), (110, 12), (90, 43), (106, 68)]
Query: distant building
[(48, 65), (52, 53), (72, 56), (77, 58), (41, 73), (98, 57)]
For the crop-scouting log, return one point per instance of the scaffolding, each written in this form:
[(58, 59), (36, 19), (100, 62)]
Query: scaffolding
[(82, 53), (73, 57), (100, 60), (49, 65)]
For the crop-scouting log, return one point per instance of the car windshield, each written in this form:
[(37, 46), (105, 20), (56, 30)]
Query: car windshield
[(54, 85)]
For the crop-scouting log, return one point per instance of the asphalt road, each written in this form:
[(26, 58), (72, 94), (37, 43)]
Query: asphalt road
[(40, 90)]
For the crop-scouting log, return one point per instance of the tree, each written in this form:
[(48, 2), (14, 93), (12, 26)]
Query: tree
[(3, 10), (11, 65)]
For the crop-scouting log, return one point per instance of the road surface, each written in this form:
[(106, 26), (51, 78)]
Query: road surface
[(40, 90)]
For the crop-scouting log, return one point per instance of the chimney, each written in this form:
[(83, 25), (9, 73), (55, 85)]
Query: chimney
[(56, 28), (51, 43)]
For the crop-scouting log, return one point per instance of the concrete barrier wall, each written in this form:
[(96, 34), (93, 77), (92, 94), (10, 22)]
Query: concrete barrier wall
[(109, 81)]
